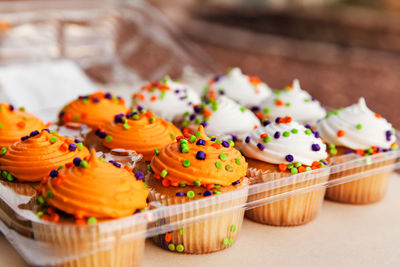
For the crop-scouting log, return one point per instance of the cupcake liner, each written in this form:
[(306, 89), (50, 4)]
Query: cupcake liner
[(21, 188), (216, 232), (292, 211), (366, 190)]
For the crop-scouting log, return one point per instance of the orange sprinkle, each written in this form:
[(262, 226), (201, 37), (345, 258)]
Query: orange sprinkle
[(57, 181), (264, 135), (255, 126), (341, 133), (378, 116), (44, 180), (210, 82), (254, 80), (179, 138), (360, 152), (279, 102), (126, 167), (216, 145), (67, 117), (301, 169), (210, 186), (315, 163), (80, 221), (84, 115), (153, 98), (21, 124), (163, 87), (69, 165), (157, 176), (187, 135), (174, 184), (207, 113), (166, 183), (257, 91), (282, 167), (63, 147), (141, 96), (287, 119), (168, 237), (4, 26), (46, 217), (79, 215), (259, 115)]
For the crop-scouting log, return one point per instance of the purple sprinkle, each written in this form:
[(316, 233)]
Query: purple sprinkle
[(47, 130), (213, 139), (225, 144), (349, 151), (315, 147), (192, 117), (100, 133), (116, 164), (137, 211), (197, 109), (53, 173), (95, 100), (185, 90), (77, 141), (277, 135), (177, 91), (313, 99), (34, 133), (277, 120), (388, 135), (204, 124), (236, 182), (61, 114), (201, 155), (140, 108), (182, 98), (139, 175), (289, 158), (324, 162), (72, 147), (260, 146), (379, 149), (247, 139), (267, 122), (108, 96), (234, 137), (180, 194), (307, 126), (23, 138), (255, 108), (221, 92), (11, 107), (112, 161), (207, 193), (189, 103), (316, 134), (201, 142), (385, 150), (77, 161), (217, 78), (118, 118)]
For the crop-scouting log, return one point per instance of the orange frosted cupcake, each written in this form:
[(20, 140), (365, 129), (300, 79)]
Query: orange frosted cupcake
[(88, 193), (195, 168), (95, 110), (16, 123), (34, 156)]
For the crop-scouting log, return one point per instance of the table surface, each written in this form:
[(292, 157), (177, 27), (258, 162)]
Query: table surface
[(342, 235)]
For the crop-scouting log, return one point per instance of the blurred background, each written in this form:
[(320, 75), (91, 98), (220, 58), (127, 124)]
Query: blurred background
[(340, 50)]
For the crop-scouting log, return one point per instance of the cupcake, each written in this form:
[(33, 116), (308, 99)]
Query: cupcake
[(95, 110), (279, 150), (358, 130), (292, 101), (35, 155), (16, 123), (222, 116), (166, 98), (82, 201), (247, 90), (196, 168)]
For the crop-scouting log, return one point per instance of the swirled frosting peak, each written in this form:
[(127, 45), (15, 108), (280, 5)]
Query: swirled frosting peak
[(95, 110), (247, 90), (138, 130), (94, 188), (200, 161), (166, 98), (16, 123), (284, 142), (34, 156), (222, 116), (295, 102), (357, 127)]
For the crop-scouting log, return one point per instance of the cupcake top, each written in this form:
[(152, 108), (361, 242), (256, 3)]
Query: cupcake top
[(199, 161), (140, 130), (284, 142), (357, 127), (247, 90), (16, 123), (34, 156), (166, 98), (295, 102), (222, 116), (95, 110), (94, 188)]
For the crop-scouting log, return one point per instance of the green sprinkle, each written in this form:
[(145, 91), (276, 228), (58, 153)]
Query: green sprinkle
[(185, 123), (266, 110), (217, 186), (165, 79), (60, 167), (308, 169), (40, 214), (54, 132), (1, 126), (197, 183), (307, 132), (197, 134), (10, 177), (190, 194), (237, 161), (327, 115), (181, 231), (298, 164), (152, 120), (162, 95), (331, 146), (216, 192), (294, 131), (242, 109), (92, 220), (83, 164), (22, 108), (183, 141), (145, 185), (333, 151), (267, 139), (307, 100), (192, 139), (205, 89), (40, 200), (164, 173), (109, 138), (173, 136), (286, 134), (197, 121), (231, 143), (79, 146), (143, 111), (3, 150), (53, 139), (359, 126), (277, 92), (228, 167), (217, 141), (180, 248), (289, 166), (230, 241), (126, 126), (156, 151), (233, 228), (287, 104), (214, 106), (335, 112), (182, 185), (370, 151), (75, 118), (171, 247), (186, 163), (225, 241), (102, 160), (149, 168), (218, 165), (293, 170), (135, 117), (202, 104), (49, 194), (222, 157), (184, 149), (186, 114)]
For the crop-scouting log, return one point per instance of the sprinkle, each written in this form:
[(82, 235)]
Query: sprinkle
[(11, 107), (333, 151), (236, 182), (201, 142), (77, 161), (139, 175), (225, 144), (286, 134), (289, 158), (228, 167), (260, 146), (3, 150), (293, 170), (222, 156), (218, 165), (278, 102), (180, 248), (164, 173), (308, 132), (282, 167), (192, 139), (72, 147), (186, 163), (247, 139), (316, 134), (83, 164), (34, 133), (109, 138), (197, 134), (171, 247), (278, 119), (23, 138), (359, 126), (207, 193), (233, 228), (294, 131), (53, 173), (197, 183), (182, 185), (216, 192), (1, 125), (341, 133), (180, 194), (217, 186), (190, 194), (315, 147), (231, 143), (277, 135), (79, 146), (266, 110), (242, 109), (173, 136), (298, 164), (91, 220), (201, 155), (225, 241), (237, 161)]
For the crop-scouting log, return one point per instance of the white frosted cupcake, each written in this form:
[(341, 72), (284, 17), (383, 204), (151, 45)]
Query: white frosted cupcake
[(247, 90), (292, 101), (222, 117), (166, 98), (279, 150), (357, 129)]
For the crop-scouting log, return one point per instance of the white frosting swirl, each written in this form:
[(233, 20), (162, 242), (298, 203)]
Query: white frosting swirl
[(294, 102), (361, 127), (304, 148), (228, 118), (239, 87), (170, 103)]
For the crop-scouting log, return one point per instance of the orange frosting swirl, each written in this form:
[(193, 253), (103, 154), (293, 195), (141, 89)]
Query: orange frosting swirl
[(95, 110), (97, 189), (33, 158), (204, 162), (142, 132), (16, 123)]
